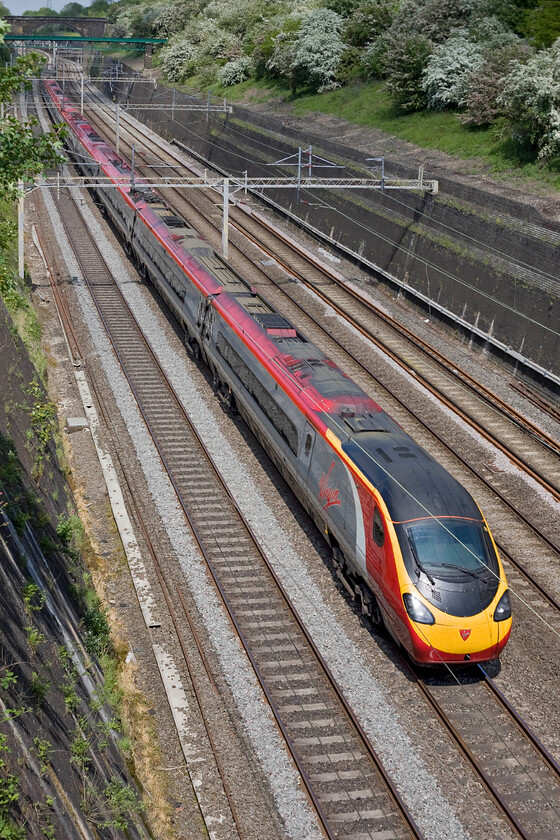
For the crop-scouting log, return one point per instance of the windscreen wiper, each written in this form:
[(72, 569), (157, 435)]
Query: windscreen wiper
[(417, 561), (463, 569)]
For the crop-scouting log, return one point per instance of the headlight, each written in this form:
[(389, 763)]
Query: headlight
[(503, 610), (416, 609)]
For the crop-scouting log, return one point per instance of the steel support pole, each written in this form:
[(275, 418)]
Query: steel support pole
[(225, 223), (82, 97), (21, 265), (117, 145)]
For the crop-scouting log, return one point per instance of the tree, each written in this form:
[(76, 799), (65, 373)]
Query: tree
[(403, 63), (445, 78), (531, 102), (542, 24), (72, 10), (486, 83), (23, 154), (235, 71), (280, 64), (369, 20), (44, 11), (318, 49), (97, 9), (4, 11), (511, 12), (435, 19)]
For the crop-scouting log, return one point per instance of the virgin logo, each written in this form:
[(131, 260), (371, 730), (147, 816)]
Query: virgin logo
[(465, 634), (328, 494)]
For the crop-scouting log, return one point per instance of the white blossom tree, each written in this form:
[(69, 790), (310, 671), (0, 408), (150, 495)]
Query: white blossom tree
[(446, 76), (531, 101), (235, 71), (318, 49)]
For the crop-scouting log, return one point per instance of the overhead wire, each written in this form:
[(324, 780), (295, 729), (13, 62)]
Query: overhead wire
[(273, 360), (394, 244), (387, 240), (429, 514)]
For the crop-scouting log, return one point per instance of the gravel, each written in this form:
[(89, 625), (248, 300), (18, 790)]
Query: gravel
[(434, 813), (379, 712)]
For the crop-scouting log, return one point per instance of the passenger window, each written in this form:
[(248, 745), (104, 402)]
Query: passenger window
[(378, 528), (308, 442)]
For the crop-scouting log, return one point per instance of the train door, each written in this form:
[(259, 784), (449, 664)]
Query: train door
[(206, 332), (207, 326), (306, 450), (200, 313), (376, 544)]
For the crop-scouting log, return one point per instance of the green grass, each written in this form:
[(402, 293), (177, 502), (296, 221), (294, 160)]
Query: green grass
[(252, 91), (368, 104), (121, 55)]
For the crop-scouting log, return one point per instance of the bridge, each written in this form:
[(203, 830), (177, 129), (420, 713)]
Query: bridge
[(87, 27), (51, 42)]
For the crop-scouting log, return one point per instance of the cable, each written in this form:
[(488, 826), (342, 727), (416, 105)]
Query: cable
[(442, 271), (273, 360), (484, 245)]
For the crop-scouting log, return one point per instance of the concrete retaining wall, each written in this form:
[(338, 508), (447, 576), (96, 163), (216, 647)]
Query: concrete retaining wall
[(491, 262)]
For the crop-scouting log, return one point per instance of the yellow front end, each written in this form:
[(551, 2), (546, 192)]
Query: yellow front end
[(449, 639)]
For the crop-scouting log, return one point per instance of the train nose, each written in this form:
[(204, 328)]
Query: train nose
[(473, 639)]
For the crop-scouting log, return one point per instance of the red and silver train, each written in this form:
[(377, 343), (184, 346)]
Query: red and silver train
[(408, 540)]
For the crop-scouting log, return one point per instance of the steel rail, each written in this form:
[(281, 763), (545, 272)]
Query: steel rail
[(165, 593), (527, 731), (390, 786), (462, 376), (441, 440), (537, 399), (165, 589), (467, 752), (61, 304)]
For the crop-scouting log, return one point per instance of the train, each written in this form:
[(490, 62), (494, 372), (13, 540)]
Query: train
[(408, 541)]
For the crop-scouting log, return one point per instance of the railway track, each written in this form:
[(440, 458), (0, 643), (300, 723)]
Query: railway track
[(456, 389), (512, 764), (351, 792), (512, 788)]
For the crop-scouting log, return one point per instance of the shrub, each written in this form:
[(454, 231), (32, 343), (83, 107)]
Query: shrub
[(486, 83), (435, 19), (177, 60), (318, 49), (97, 632), (445, 78), (403, 63), (531, 101), (172, 19), (235, 71), (542, 24), (368, 21), (373, 58)]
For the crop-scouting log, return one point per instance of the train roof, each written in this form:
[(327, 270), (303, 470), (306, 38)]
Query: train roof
[(412, 483)]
